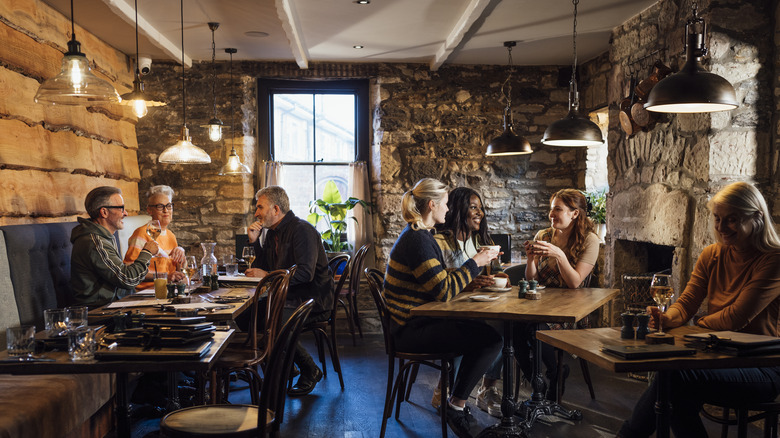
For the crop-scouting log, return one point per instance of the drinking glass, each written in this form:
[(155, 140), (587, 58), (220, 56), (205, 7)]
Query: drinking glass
[(55, 321), (76, 317), (82, 343), (231, 266), (20, 340), (153, 229), (249, 255), (662, 292), (190, 268)]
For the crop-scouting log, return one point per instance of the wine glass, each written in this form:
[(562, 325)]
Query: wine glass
[(249, 255), (153, 229), (661, 290), (190, 268)]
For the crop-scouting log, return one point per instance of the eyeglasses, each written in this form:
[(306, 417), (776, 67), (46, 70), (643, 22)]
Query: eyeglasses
[(162, 207), (121, 207)]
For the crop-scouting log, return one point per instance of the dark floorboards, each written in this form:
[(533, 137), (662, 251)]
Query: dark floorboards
[(356, 412)]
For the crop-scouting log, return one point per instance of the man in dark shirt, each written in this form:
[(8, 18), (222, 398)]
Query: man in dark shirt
[(282, 240)]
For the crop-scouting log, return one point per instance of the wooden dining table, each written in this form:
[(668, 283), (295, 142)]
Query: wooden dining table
[(58, 362), (588, 344), (554, 305), (227, 312)]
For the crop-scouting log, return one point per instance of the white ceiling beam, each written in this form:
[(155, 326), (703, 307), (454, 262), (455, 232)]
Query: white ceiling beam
[(466, 21), (126, 11), (292, 28)]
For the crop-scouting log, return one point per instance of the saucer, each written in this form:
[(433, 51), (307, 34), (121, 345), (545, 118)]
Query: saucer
[(483, 298), (497, 289)]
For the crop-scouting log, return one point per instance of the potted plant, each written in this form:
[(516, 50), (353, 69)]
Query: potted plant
[(597, 201), (333, 209)]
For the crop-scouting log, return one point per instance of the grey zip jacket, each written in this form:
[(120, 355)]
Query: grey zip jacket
[(97, 273)]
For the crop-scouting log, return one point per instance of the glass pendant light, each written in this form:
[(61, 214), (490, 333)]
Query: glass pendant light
[(184, 152), (214, 125), (137, 98), (233, 165), (573, 130), (508, 143), (75, 84), (692, 89)]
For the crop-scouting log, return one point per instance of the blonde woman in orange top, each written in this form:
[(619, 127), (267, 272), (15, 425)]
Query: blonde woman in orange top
[(171, 256), (739, 276)]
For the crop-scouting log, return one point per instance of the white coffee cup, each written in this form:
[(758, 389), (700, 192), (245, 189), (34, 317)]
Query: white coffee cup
[(500, 282), (492, 247)]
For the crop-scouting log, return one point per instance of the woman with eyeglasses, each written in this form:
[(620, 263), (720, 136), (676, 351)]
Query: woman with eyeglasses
[(170, 258)]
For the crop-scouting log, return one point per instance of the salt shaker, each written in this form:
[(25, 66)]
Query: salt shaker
[(627, 331)]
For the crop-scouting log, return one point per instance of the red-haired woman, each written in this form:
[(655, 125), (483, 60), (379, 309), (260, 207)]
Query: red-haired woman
[(560, 256)]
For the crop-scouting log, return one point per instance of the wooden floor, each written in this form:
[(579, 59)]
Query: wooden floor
[(356, 412)]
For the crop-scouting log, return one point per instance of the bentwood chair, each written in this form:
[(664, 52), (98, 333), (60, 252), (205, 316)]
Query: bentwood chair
[(406, 361), (246, 420), (761, 411), (347, 298), (247, 353), (320, 329)]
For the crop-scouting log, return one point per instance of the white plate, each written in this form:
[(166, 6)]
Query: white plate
[(497, 289), (540, 287), (484, 298)]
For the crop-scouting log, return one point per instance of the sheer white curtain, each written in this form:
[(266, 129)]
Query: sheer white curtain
[(361, 232), (272, 174)]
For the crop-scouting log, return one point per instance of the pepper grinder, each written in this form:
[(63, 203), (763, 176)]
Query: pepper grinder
[(627, 331), (642, 321), (521, 286)]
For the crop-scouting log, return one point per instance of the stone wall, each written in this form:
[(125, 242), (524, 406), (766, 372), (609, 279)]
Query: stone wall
[(425, 124), (52, 156), (660, 180)]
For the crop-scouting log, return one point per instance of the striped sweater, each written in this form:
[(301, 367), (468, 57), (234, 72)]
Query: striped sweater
[(416, 274)]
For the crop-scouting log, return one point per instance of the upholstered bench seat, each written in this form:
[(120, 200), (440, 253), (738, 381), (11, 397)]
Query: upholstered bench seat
[(51, 405)]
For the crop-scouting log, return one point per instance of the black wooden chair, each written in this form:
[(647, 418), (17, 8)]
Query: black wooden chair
[(742, 417), (320, 329), (230, 420), (347, 298), (406, 361)]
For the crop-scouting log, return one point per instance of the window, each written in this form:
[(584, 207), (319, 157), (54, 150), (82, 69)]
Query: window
[(315, 128)]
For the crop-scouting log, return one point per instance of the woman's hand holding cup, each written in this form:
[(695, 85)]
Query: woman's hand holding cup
[(486, 254)]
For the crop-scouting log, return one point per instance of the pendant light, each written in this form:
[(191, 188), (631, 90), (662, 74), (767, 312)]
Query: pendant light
[(508, 143), (75, 84), (137, 98), (214, 125), (233, 165), (692, 89), (573, 130), (184, 152)]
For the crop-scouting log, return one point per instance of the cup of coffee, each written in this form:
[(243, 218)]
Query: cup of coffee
[(500, 280)]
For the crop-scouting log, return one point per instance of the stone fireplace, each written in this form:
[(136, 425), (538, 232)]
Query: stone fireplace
[(661, 179)]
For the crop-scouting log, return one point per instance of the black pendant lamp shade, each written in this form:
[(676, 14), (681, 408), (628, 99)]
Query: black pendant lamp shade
[(692, 89), (508, 143), (573, 130)]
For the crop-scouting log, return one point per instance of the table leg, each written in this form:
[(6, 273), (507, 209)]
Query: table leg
[(122, 407), (173, 392), (509, 426), (663, 408), (537, 405)]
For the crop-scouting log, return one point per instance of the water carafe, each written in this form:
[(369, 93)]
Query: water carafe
[(208, 264)]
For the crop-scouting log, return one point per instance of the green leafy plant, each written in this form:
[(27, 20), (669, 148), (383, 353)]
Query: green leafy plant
[(333, 209), (598, 201)]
